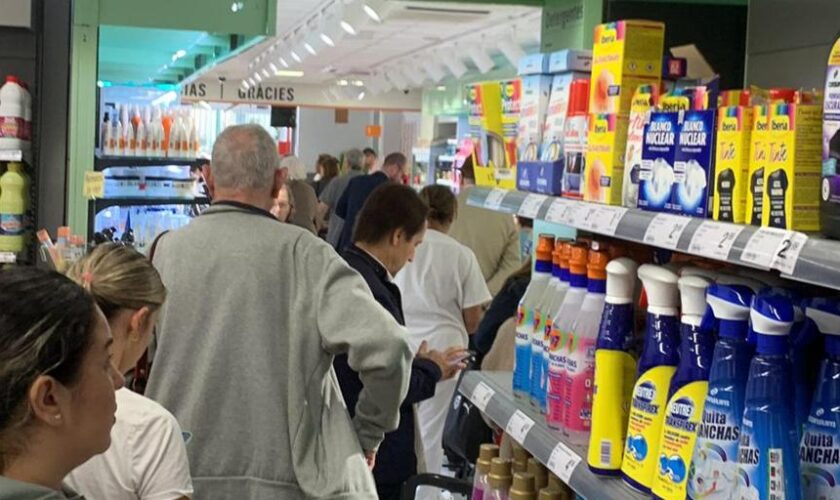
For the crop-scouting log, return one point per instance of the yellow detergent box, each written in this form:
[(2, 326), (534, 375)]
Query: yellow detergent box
[(757, 164), (625, 54), (485, 121), (605, 158), (511, 104), (794, 166), (732, 154)]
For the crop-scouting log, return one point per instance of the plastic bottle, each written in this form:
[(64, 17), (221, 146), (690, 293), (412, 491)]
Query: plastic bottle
[(580, 363), (768, 462), (12, 209), (486, 454), (657, 365), (561, 325), (520, 458), (499, 480), (166, 123), (615, 369), (62, 243), (539, 472), (142, 144), (537, 389), (184, 137), (551, 494), (119, 133), (819, 450), (27, 112), (714, 464), (523, 487), (560, 270), (687, 393), (806, 352), (525, 317), (195, 142), (12, 115)]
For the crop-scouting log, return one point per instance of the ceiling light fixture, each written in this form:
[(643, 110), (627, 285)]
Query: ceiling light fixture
[(353, 18), (177, 55), (244, 84), (330, 29), (309, 48), (289, 73), (434, 70), (361, 95), (295, 56), (453, 63), (273, 68), (511, 50), (282, 60), (441, 88), (481, 59), (252, 82), (397, 78), (258, 77), (342, 83), (375, 9), (358, 83), (265, 73), (414, 75)]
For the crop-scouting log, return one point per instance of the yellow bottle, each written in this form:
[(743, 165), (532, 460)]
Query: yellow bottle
[(12, 209)]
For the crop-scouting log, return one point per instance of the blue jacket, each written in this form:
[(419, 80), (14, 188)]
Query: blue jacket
[(395, 459), (503, 307), (352, 201)]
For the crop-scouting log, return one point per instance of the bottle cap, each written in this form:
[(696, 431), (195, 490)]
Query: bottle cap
[(545, 247), (523, 487), (578, 259), (597, 264), (520, 458), (488, 452), (771, 314), (730, 302), (565, 254), (621, 280), (693, 298), (826, 314), (660, 287), (499, 476), (550, 494), (12, 79), (483, 465), (579, 97), (539, 471)]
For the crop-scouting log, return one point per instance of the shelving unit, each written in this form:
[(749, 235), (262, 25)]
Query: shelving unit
[(101, 162), (15, 155), (806, 258), (491, 392)]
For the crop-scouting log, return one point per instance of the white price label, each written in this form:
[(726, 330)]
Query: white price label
[(481, 395), (606, 219), (714, 239), (584, 216), (531, 205), (665, 230), (557, 211), (7, 258), (563, 461), (788, 252), (494, 199), (771, 247), (518, 426)]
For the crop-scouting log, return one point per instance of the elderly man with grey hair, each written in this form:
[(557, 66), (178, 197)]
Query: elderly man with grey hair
[(256, 311), (354, 161)]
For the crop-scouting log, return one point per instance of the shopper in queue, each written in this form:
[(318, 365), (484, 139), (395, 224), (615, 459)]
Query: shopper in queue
[(326, 169), (370, 159), (255, 313), (57, 383), (147, 458), (284, 205), (359, 189), (492, 236), (390, 227), (305, 214), (353, 165), (443, 294)]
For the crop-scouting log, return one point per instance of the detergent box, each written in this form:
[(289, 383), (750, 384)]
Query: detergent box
[(511, 92), (792, 175), (659, 151), (492, 168), (604, 169), (694, 168), (625, 54), (555, 118), (757, 164), (732, 153), (567, 60), (535, 93), (534, 64), (830, 206), (640, 110)]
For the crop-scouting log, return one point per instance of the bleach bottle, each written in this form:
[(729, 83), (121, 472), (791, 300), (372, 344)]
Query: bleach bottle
[(615, 370), (13, 203), (713, 467), (560, 270), (768, 462), (541, 314), (561, 327), (819, 450), (657, 365), (687, 394), (806, 352), (525, 316), (580, 362)]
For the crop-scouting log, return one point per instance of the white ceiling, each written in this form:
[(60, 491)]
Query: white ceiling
[(411, 33)]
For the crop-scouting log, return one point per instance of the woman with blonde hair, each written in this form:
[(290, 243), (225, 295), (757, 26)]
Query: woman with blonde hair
[(305, 214), (148, 457)]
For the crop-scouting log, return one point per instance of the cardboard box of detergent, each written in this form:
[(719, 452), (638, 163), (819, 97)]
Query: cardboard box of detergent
[(659, 151), (485, 129), (732, 154), (556, 113), (536, 90), (511, 93), (757, 164), (564, 61), (640, 110), (694, 167), (604, 165), (830, 190)]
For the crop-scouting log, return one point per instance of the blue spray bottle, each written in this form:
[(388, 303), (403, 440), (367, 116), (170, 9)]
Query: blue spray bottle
[(768, 459), (819, 450), (806, 352), (714, 464)]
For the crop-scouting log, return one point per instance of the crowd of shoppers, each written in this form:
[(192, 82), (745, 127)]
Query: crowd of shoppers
[(283, 366)]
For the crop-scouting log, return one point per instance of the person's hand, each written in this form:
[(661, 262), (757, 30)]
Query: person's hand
[(449, 362), (370, 458)]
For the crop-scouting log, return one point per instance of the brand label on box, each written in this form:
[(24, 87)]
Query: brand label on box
[(659, 149), (693, 165), (732, 164)]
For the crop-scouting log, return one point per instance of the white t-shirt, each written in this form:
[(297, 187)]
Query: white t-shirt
[(147, 459), (442, 281)]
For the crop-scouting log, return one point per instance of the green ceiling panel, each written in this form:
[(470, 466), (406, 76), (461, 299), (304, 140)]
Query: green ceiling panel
[(246, 17)]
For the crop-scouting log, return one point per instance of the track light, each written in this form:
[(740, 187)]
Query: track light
[(375, 9), (244, 84), (479, 57), (414, 75), (330, 30), (511, 50), (353, 18), (273, 67), (453, 63), (251, 82), (265, 73), (258, 77), (361, 96), (295, 56), (310, 42), (434, 70), (397, 78), (282, 60)]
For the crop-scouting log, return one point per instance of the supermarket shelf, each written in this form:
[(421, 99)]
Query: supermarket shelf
[(101, 162), (103, 203), (815, 264), (16, 155), (541, 441)]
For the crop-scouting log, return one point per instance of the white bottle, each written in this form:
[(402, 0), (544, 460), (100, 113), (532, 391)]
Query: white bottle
[(12, 115), (120, 139), (107, 139), (183, 138), (174, 140), (141, 142), (27, 112), (195, 144)]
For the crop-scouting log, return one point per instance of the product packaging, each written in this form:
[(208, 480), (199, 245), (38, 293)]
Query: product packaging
[(604, 159), (757, 164), (534, 64), (511, 94), (694, 168), (535, 90), (734, 130), (575, 140), (14, 107), (640, 110), (567, 60), (659, 150), (830, 199), (552, 300), (13, 201), (545, 252), (485, 129)]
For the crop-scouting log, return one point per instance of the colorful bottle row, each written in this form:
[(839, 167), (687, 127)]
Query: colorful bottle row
[(151, 133)]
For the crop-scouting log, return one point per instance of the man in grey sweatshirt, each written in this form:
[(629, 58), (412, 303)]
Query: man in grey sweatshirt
[(256, 311)]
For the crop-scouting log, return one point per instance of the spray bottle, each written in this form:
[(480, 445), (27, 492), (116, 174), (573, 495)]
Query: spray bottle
[(562, 253), (819, 450), (615, 370), (806, 352), (525, 317), (537, 389), (768, 462), (714, 464), (580, 363), (657, 365), (560, 328), (687, 393)]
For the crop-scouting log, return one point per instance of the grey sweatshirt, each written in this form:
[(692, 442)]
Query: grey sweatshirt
[(255, 312), (16, 490)]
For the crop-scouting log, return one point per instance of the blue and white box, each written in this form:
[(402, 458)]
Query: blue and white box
[(659, 149), (694, 170), (570, 60)]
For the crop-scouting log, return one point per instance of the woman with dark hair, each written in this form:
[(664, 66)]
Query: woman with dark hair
[(326, 169), (390, 226), (57, 383), (444, 291)]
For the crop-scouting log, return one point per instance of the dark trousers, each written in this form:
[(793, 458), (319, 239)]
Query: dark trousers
[(388, 491)]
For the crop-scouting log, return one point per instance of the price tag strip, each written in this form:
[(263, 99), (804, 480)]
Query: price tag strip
[(563, 462), (774, 248), (481, 395), (557, 211), (606, 219), (531, 205), (714, 239), (494, 199), (665, 230), (584, 216), (518, 426), (787, 255)]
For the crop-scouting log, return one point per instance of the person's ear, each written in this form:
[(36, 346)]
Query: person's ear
[(207, 171), (281, 175), (397, 237), (47, 398), (137, 323)]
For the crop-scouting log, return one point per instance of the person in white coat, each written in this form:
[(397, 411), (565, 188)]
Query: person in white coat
[(443, 294)]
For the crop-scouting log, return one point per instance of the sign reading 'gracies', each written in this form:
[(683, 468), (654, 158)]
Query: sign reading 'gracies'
[(269, 93)]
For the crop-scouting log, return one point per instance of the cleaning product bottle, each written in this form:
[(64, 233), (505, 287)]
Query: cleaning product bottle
[(580, 362), (560, 328), (539, 472), (520, 458), (657, 365), (142, 141), (12, 209), (119, 135), (486, 454), (806, 352), (819, 450), (615, 370), (499, 480), (560, 269), (687, 393), (768, 462), (538, 332), (12, 115), (713, 467), (525, 317), (523, 487)]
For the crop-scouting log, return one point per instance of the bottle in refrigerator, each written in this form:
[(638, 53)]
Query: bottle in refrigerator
[(13, 115), (12, 209)]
